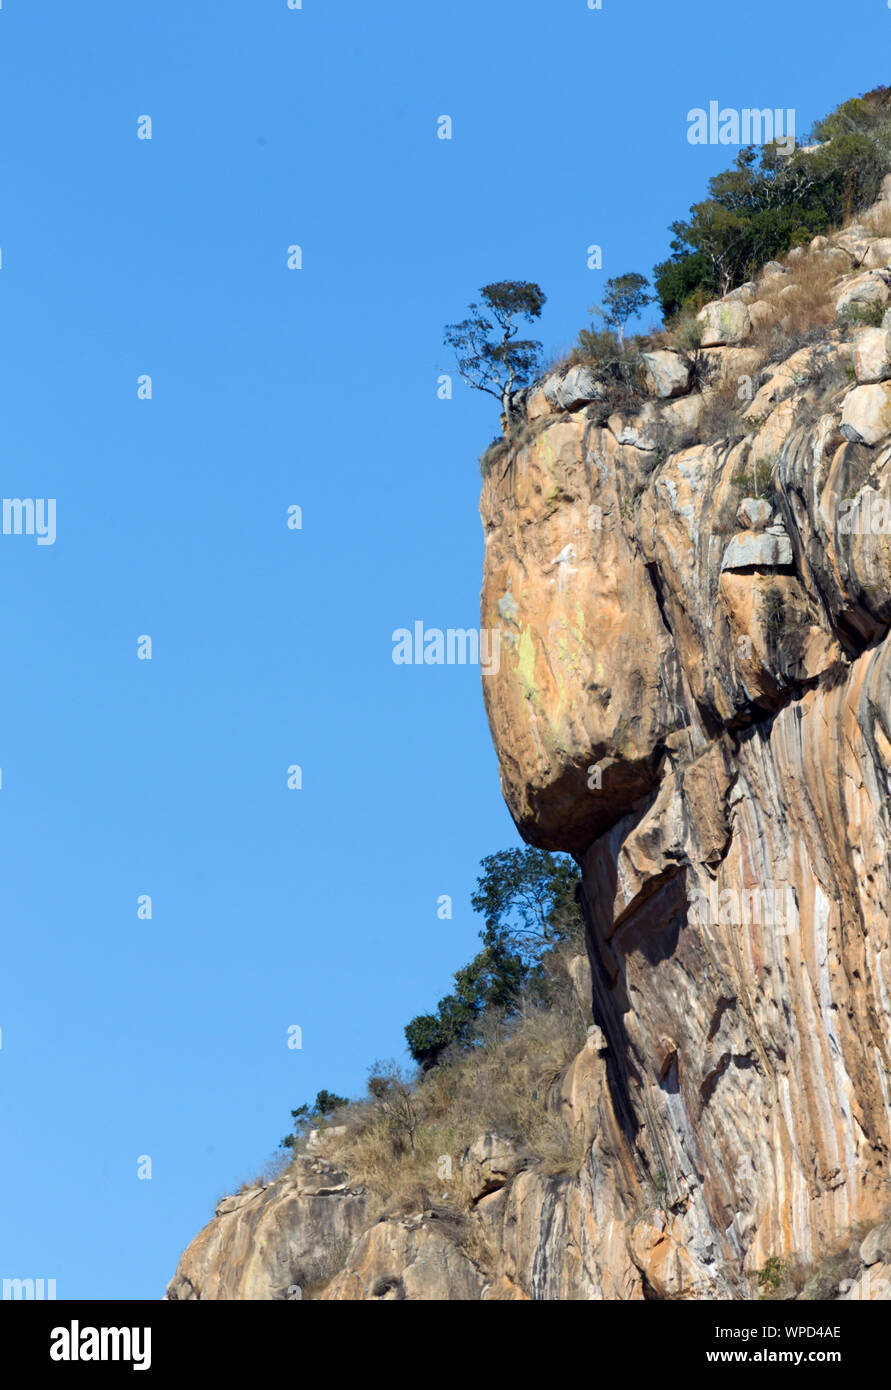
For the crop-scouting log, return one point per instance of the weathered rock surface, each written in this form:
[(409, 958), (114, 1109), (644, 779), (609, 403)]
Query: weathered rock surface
[(724, 321), (274, 1242), (866, 415), (879, 254), (667, 373), (737, 869), (867, 289), (415, 1257), (872, 355), (488, 1163)]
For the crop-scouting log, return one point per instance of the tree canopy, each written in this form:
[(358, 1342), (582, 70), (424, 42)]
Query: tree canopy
[(490, 356), (624, 296), (307, 1117), (767, 202), (527, 899)]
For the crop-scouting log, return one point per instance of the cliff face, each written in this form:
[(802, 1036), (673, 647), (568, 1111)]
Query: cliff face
[(694, 698), (275, 1240), (698, 705)]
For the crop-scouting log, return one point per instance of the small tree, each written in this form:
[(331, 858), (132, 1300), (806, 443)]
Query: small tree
[(307, 1117), (625, 296), (491, 357), (527, 898), (390, 1090)]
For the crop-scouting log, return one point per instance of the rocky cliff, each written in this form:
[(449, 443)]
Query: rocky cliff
[(694, 594)]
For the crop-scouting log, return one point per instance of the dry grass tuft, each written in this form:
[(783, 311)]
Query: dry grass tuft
[(500, 1084), (722, 414), (802, 303)]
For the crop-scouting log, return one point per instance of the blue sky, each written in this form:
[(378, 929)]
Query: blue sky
[(272, 387)]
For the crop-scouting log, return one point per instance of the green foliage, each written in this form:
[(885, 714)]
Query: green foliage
[(490, 356), (624, 296), (775, 620), (493, 978), (307, 1117), (687, 278), (868, 315), (527, 898), (596, 346), (869, 112), (754, 481), (772, 1274), (765, 203)]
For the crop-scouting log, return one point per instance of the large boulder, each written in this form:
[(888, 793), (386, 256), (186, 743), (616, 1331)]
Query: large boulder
[(872, 1285), (754, 513), (869, 288), (877, 1245), (855, 241), (762, 314), (667, 373), (724, 321), (879, 254), (872, 355), (578, 387), (866, 413), (487, 1164), (770, 549), (537, 405)]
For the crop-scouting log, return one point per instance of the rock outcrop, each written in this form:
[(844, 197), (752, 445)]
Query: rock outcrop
[(275, 1241), (694, 699), (696, 702)]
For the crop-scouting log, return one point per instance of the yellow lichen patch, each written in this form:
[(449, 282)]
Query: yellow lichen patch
[(526, 663)]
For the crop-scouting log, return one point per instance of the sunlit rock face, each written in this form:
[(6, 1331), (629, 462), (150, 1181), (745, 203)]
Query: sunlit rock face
[(695, 700), (273, 1242)]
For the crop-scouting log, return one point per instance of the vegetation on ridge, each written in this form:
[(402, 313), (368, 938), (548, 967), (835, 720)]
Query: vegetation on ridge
[(487, 1057), (765, 205)]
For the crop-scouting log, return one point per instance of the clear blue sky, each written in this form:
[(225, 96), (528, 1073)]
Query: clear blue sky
[(271, 387)]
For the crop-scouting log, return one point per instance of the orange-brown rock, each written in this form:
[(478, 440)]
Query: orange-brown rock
[(714, 744)]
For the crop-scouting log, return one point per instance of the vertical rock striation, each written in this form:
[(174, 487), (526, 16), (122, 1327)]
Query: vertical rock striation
[(696, 702)]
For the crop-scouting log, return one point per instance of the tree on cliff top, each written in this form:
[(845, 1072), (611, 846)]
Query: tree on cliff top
[(768, 201), (307, 1117), (490, 356), (624, 296)]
